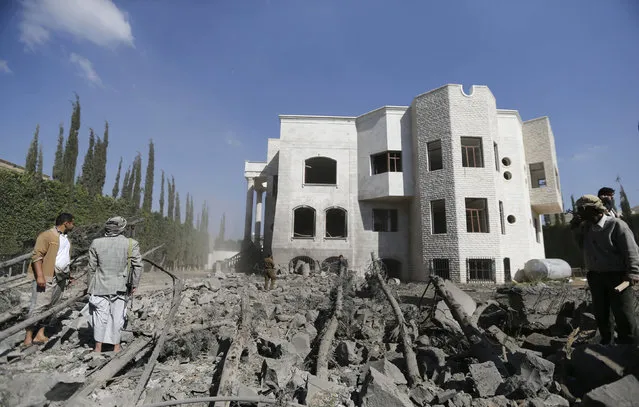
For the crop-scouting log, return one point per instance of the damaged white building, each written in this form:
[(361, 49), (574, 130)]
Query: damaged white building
[(448, 185)]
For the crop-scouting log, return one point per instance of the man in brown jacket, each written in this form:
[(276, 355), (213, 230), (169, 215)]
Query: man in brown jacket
[(49, 270), (269, 272)]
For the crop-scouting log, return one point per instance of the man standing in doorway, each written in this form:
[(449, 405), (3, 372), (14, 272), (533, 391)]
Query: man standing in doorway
[(115, 266), (611, 257), (49, 269)]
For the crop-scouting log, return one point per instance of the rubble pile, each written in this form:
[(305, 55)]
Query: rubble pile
[(542, 347)]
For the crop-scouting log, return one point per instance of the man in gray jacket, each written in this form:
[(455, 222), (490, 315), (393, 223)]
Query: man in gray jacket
[(611, 258), (115, 265)]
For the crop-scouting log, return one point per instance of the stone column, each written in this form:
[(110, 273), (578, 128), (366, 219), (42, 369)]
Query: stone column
[(248, 217), (258, 217)]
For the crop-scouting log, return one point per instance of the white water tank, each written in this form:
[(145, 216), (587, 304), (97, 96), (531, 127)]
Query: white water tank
[(547, 269)]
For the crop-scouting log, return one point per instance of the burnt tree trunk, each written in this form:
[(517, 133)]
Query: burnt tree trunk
[(321, 368)]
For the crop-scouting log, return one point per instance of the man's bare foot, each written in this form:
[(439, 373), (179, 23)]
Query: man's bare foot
[(117, 348), (40, 339), (98, 347)]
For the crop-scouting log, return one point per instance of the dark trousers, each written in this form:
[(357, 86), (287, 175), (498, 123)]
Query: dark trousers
[(606, 298)]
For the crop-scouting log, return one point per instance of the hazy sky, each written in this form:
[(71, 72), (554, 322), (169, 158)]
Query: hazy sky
[(206, 80)]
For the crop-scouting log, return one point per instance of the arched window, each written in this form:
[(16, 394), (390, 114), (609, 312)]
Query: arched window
[(393, 268), (336, 226), (304, 222), (296, 263), (320, 170)]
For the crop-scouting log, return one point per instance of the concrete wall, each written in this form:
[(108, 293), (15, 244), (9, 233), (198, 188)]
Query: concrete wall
[(539, 144)]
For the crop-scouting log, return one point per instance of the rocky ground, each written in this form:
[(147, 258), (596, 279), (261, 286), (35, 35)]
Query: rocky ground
[(543, 337)]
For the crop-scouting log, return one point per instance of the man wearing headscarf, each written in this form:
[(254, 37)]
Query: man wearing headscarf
[(607, 196), (115, 265), (611, 257)]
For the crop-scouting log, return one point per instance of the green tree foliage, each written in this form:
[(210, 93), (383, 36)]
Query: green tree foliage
[(87, 178), (171, 203), (71, 150), (162, 195), (32, 155), (100, 161), (177, 207), (136, 198), (116, 185), (126, 190), (40, 163), (147, 203), (33, 203), (58, 163), (574, 205), (626, 211)]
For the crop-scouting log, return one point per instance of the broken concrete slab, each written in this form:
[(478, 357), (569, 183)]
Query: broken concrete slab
[(213, 284), (555, 400), (302, 344), (532, 368), (468, 304), (596, 365), (347, 353), (623, 392), (379, 390), (497, 401), (542, 343), (276, 372), (389, 370), (444, 317), (423, 394), (486, 378)]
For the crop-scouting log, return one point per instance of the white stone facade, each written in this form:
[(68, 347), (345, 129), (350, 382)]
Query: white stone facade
[(495, 177)]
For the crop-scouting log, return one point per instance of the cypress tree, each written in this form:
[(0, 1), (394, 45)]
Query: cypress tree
[(59, 156), (574, 206), (116, 186), (171, 202), (71, 149), (626, 211), (147, 203), (86, 178), (177, 207), (126, 192), (31, 164), (40, 162), (162, 195), (137, 185), (100, 158), (221, 233)]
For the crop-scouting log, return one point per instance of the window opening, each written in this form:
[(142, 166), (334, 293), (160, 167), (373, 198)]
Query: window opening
[(440, 268), (275, 186), (438, 216), (476, 215), (388, 161), (501, 218), (393, 268), (435, 160), (320, 170), (304, 222), (496, 156), (472, 154), (507, 275), (480, 269), (537, 175), (385, 220), (336, 226)]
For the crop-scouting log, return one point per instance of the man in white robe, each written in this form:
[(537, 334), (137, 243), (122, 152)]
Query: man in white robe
[(115, 266)]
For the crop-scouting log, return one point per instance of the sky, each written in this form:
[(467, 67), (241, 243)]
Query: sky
[(206, 80)]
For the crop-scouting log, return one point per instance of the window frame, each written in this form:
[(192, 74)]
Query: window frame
[(475, 266), (537, 182), (314, 222), (477, 151), (430, 150), (392, 158), (307, 165), (476, 214), (345, 212)]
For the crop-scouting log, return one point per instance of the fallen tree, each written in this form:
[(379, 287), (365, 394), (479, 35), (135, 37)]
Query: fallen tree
[(228, 385), (321, 369), (480, 347), (161, 333), (414, 377)]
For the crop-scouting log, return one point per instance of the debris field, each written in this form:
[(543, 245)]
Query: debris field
[(324, 339)]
